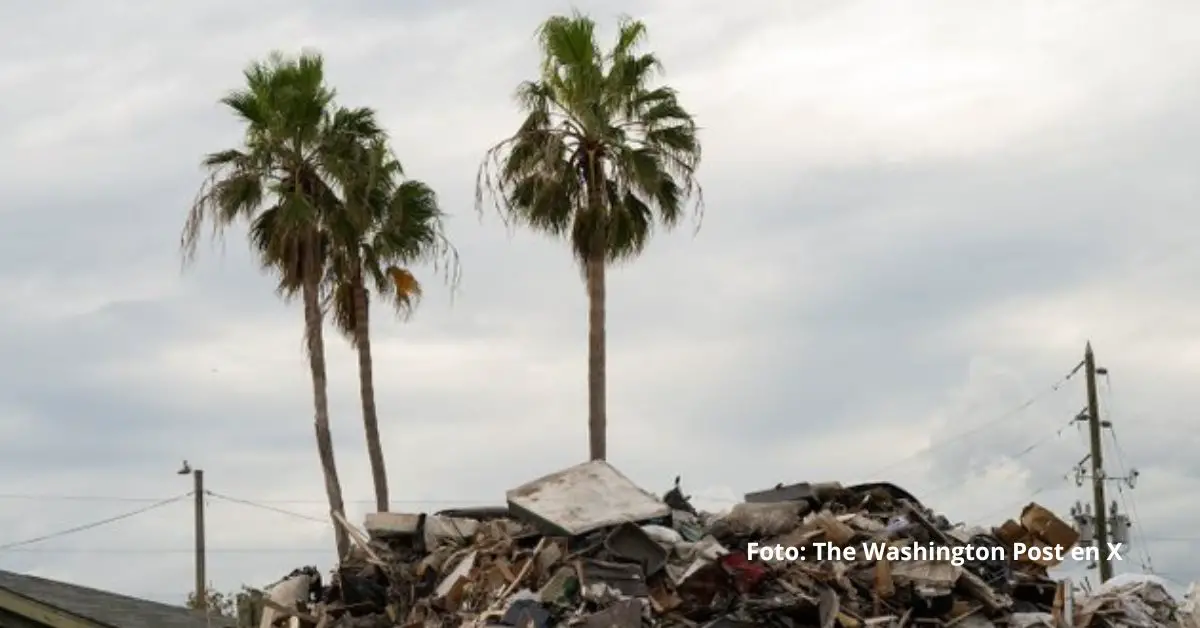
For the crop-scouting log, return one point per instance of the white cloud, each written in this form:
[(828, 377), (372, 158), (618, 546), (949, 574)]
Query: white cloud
[(870, 83), (916, 219)]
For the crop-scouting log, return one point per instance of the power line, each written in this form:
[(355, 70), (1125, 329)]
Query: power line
[(114, 498), (261, 506), (266, 501), (79, 498), (1051, 486), (1129, 503), (292, 550), (165, 550), (299, 515), (987, 424), (1016, 456), (94, 524)]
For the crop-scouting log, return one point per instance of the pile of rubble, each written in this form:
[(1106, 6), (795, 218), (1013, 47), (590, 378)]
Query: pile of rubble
[(587, 547), (1138, 600)]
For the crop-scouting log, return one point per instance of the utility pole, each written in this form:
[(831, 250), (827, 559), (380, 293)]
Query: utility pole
[(1097, 458), (201, 587), (198, 496)]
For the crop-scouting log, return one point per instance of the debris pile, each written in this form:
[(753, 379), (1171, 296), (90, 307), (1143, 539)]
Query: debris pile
[(587, 547), (1132, 601)]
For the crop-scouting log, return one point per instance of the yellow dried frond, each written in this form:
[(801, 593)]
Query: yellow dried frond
[(407, 286)]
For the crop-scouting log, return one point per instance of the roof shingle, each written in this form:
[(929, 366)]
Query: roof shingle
[(110, 609)]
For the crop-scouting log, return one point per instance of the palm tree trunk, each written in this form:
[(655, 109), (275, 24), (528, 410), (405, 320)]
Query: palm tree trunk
[(316, 362), (597, 375), (366, 389)]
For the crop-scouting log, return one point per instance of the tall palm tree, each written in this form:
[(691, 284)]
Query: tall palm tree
[(601, 156), (384, 224), (277, 181)]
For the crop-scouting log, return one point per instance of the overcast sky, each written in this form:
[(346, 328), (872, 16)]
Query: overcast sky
[(918, 213)]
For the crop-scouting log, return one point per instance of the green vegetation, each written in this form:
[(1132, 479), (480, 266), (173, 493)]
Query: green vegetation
[(602, 156)]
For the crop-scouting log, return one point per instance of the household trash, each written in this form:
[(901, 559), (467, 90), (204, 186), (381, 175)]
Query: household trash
[(1130, 600), (586, 546)]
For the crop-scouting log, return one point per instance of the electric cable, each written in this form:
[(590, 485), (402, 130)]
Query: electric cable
[(94, 524), (164, 550), (1130, 504), (78, 498), (1048, 487), (1016, 456), (1143, 552), (117, 498), (983, 426), (281, 511), (36, 497)]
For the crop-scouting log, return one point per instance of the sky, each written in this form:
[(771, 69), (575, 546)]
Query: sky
[(917, 215)]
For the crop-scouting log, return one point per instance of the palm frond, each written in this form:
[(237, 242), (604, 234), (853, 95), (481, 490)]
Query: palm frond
[(286, 179), (341, 305), (384, 224), (406, 291), (602, 154)]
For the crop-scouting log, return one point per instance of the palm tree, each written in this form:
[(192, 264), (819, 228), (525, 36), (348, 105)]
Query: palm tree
[(384, 224), (278, 183), (600, 157)]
